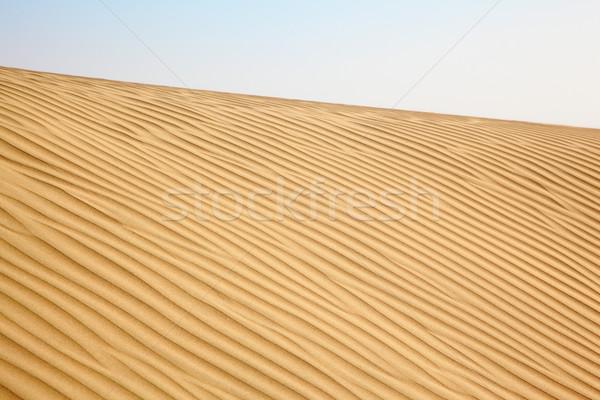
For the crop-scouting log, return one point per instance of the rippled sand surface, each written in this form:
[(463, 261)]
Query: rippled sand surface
[(479, 278)]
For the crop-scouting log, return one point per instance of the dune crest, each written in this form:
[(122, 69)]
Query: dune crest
[(474, 272)]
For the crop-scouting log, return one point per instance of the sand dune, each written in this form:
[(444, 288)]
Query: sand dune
[(479, 278)]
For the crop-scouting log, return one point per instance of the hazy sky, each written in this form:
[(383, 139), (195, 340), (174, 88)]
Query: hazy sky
[(533, 60)]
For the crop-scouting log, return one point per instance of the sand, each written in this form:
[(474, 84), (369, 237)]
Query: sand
[(479, 278)]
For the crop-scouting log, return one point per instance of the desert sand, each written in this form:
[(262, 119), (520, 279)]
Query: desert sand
[(485, 285)]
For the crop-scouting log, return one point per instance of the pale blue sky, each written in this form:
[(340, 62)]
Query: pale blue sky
[(530, 60)]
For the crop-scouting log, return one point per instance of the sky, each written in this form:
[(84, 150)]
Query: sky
[(528, 60)]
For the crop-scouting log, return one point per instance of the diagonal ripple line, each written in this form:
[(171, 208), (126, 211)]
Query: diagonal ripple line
[(422, 78), (185, 314), (419, 321), (223, 122)]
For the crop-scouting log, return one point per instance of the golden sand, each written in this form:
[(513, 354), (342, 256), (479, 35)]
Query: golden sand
[(488, 288)]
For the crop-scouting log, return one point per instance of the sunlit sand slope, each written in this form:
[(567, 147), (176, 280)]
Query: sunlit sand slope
[(479, 277)]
